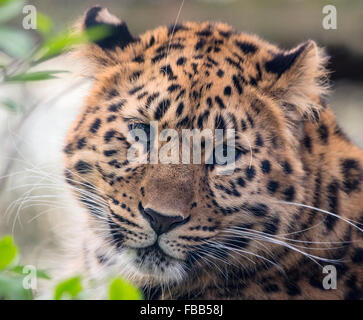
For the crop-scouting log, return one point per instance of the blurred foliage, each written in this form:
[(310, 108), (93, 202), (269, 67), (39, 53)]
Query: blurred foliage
[(122, 290), (11, 282), (12, 279), (69, 289), (10, 9), (33, 76), (8, 252), (20, 51)]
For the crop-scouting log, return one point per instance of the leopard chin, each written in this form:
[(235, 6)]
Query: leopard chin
[(150, 266)]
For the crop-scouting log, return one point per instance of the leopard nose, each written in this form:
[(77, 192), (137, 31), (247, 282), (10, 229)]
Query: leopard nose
[(162, 223)]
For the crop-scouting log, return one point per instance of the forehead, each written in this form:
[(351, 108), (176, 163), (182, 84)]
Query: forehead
[(185, 72)]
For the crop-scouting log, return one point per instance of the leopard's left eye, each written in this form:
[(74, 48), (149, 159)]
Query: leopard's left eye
[(140, 131)]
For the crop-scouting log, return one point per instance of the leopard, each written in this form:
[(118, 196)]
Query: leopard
[(286, 223)]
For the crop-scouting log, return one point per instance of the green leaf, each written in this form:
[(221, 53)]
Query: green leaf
[(10, 104), (11, 288), (68, 289), (43, 275), (40, 273), (10, 9), (122, 290), (44, 23), (16, 43), (8, 251), (34, 76), (63, 41)]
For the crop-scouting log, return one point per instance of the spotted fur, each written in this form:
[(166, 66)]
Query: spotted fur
[(265, 231)]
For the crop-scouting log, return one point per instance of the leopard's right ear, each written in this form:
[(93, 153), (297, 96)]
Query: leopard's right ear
[(101, 52)]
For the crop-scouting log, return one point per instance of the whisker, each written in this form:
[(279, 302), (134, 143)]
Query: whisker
[(173, 32), (239, 251), (289, 239), (237, 234), (349, 221), (287, 245)]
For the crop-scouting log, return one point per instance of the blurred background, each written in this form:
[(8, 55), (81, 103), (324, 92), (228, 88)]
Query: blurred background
[(34, 206)]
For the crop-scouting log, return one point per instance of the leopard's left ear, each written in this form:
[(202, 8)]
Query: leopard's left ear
[(299, 78), (118, 35)]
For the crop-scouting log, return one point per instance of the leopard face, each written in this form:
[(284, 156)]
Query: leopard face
[(165, 223)]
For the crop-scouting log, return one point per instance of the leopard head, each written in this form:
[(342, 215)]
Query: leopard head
[(165, 221)]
